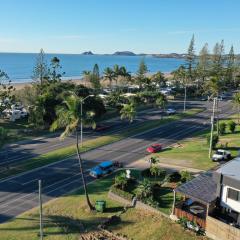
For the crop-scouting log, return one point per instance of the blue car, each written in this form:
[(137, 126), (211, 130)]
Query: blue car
[(102, 169)]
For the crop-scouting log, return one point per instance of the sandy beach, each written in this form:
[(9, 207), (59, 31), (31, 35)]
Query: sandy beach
[(21, 85)]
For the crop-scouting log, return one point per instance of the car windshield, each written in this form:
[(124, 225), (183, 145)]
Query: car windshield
[(219, 153)]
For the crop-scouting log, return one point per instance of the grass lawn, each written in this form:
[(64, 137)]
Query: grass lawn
[(66, 217), (20, 130), (141, 225), (194, 152), (63, 153)]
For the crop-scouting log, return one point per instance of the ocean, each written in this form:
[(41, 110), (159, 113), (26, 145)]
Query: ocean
[(19, 66)]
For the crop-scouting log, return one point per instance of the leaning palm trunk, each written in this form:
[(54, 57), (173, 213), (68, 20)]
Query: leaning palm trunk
[(82, 173)]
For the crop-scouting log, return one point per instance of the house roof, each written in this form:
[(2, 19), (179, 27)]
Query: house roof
[(231, 169), (203, 188)]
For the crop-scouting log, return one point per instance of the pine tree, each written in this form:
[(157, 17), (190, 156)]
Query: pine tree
[(190, 60), (218, 61), (202, 68), (141, 78), (230, 71), (95, 78), (40, 71)]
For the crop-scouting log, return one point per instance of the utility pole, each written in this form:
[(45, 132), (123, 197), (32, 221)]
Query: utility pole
[(40, 209), (185, 98), (212, 128), (217, 120)]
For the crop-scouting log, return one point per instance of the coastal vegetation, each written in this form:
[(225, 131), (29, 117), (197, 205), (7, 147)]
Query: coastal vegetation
[(203, 74)]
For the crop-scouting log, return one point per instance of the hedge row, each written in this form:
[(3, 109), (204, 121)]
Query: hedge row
[(121, 193)]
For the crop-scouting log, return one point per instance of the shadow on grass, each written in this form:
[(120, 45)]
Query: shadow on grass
[(113, 209), (56, 224)]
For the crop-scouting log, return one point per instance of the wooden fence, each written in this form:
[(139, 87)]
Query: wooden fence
[(181, 213)]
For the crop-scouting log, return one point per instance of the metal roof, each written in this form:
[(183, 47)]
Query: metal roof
[(231, 169), (203, 188)]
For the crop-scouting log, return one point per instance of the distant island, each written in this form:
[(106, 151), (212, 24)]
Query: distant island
[(124, 53), (87, 53), (129, 53)]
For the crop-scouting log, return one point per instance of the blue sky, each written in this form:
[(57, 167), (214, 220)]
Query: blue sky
[(106, 26)]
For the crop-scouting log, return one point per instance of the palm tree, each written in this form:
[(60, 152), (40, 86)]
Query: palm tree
[(144, 189), (155, 170), (121, 181), (128, 111), (86, 76), (236, 102), (109, 74), (125, 74), (69, 116), (214, 86)]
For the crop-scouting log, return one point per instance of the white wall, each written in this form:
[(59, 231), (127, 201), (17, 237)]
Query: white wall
[(229, 203)]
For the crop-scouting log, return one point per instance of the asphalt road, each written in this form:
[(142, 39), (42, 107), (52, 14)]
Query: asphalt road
[(19, 193), (14, 154)]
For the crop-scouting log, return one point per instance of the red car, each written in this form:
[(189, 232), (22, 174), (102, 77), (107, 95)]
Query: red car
[(101, 128), (154, 148)]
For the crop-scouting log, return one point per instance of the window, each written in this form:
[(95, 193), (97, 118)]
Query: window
[(233, 194)]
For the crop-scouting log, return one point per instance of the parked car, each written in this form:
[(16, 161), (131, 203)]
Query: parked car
[(170, 111), (102, 127), (221, 155), (204, 98), (102, 169), (154, 148)]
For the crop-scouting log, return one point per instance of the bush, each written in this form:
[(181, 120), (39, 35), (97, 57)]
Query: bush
[(121, 181), (222, 128), (151, 202), (173, 177), (157, 171), (121, 193), (232, 126), (144, 189), (3, 135), (185, 176), (214, 140)]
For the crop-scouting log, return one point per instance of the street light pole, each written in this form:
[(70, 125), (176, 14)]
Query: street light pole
[(212, 128), (40, 210), (185, 98)]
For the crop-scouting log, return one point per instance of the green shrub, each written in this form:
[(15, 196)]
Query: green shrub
[(222, 128), (144, 189), (173, 177), (185, 176), (214, 140), (121, 181), (3, 135), (157, 171), (232, 126), (121, 193), (151, 202)]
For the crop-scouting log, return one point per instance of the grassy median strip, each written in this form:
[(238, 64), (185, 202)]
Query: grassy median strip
[(66, 152), (193, 152), (68, 217)]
